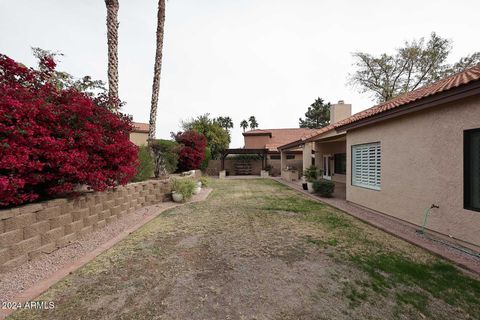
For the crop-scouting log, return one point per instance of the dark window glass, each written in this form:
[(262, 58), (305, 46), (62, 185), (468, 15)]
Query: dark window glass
[(340, 160), (472, 169), (275, 157), (290, 156)]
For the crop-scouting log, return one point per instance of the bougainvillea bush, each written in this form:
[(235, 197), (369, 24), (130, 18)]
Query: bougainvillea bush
[(55, 139), (192, 152)]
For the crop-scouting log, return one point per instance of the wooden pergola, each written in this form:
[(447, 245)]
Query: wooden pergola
[(260, 152)]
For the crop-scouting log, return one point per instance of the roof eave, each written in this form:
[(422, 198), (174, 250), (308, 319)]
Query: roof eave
[(246, 134), (290, 145), (461, 92)]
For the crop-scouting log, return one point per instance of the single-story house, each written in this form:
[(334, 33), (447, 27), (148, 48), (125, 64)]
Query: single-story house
[(401, 157), (139, 134)]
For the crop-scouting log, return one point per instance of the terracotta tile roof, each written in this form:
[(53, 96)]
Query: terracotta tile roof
[(456, 80), (318, 132), (279, 136), (442, 85), (140, 127)]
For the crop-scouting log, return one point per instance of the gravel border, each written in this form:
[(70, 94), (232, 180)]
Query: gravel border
[(15, 283)]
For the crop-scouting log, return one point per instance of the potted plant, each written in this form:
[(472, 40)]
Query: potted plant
[(203, 180), (324, 187), (182, 189), (311, 175)]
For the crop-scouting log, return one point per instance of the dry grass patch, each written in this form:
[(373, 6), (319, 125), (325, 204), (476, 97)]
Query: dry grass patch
[(259, 250)]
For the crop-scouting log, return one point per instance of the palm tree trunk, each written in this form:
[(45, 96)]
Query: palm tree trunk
[(157, 69), (112, 40)]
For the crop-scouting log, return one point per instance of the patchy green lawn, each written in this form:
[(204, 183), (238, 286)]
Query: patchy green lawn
[(258, 250)]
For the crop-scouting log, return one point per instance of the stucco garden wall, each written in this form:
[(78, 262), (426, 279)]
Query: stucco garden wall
[(33, 229), (422, 164), (214, 166)]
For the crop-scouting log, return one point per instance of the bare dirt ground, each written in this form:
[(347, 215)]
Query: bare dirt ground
[(258, 250)]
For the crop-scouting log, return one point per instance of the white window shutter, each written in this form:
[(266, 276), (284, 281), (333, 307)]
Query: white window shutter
[(366, 165)]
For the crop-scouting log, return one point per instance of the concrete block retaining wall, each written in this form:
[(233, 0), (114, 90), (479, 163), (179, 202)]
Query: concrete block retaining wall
[(33, 229)]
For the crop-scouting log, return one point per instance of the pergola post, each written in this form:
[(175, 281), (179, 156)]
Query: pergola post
[(260, 152), (265, 157), (283, 160), (223, 161)]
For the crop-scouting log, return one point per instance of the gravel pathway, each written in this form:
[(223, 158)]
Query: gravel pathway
[(15, 282)]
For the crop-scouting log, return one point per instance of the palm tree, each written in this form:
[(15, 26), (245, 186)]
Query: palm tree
[(253, 122), (225, 122), (112, 41), (244, 125), (157, 68)]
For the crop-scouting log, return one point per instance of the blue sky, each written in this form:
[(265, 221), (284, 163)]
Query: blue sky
[(265, 58)]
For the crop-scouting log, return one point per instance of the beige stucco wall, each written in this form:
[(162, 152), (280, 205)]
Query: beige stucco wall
[(331, 148), (422, 163), (256, 142), (139, 138)]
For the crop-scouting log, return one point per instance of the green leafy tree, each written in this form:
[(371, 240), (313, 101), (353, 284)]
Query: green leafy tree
[(253, 122), (416, 64), (225, 122), (208, 157), (146, 164), (244, 125), (165, 156), (317, 115), (218, 139)]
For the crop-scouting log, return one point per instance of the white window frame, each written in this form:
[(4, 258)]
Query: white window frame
[(367, 165)]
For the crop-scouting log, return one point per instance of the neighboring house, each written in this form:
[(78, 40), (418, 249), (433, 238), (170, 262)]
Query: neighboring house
[(271, 139), (418, 149), (139, 134)]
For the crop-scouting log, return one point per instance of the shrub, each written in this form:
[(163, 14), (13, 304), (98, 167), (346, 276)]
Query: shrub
[(54, 139), (193, 151), (183, 186), (311, 174), (204, 181), (208, 157), (324, 187), (218, 138), (146, 166), (166, 156)]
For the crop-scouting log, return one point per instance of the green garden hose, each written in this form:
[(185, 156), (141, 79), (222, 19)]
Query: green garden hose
[(425, 217)]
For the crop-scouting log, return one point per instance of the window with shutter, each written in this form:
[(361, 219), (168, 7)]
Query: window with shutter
[(471, 170), (366, 165)]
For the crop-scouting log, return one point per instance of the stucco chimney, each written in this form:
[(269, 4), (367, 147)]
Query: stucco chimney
[(340, 111)]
